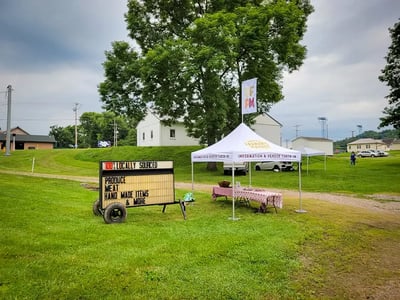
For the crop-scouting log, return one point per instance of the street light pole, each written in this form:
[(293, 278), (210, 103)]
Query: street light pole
[(323, 125)]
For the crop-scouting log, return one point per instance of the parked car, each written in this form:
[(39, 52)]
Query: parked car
[(367, 153), (276, 166), (103, 144), (382, 153), (240, 168)]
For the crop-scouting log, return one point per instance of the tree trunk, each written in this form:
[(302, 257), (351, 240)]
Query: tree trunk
[(211, 166)]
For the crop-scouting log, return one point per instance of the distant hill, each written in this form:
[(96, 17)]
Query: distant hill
[(383, 135)]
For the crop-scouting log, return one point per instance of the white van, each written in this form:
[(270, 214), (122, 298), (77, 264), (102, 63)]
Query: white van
[(240, 168)]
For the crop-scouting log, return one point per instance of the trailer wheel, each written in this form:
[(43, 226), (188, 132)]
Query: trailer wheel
[(97, 208), (115, 213)]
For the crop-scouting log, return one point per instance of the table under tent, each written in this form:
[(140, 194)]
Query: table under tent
[(245, 145)]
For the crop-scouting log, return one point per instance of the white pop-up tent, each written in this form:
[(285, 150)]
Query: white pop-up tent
[(244, 145), (308, 152)]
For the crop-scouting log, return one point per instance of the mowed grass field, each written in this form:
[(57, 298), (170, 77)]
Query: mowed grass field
[(369, 176), (53, 247)]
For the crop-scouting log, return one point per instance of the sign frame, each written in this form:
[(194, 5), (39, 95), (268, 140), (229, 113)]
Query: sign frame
[(126, 184)]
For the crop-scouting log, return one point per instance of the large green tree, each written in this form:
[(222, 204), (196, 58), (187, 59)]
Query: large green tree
[(191, 56), (64, 136), (391, 75)]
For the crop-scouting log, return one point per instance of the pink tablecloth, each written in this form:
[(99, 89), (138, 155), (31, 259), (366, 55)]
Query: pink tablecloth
[(221, 192), (251, 194), (260, 195)]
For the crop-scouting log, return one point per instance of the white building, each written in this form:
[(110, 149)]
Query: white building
[(322, 144), (366, 144), (152, 131), (268, 128)]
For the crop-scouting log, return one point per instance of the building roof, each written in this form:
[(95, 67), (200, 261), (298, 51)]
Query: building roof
[(396, 141), (269, 116), (30, 138), (313, 139), (19, 129), (366, 141)]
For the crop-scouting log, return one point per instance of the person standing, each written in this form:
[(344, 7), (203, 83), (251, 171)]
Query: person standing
[(352, 158)]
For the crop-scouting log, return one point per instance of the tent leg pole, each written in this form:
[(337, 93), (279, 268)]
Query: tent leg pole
[(192, 179), (233, 218), (300, 210), (250, 185)]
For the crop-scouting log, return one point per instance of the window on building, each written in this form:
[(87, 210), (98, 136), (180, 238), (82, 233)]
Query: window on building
[(151, 134), (367, 146), (358, 146), (144, 136), (172, 133)]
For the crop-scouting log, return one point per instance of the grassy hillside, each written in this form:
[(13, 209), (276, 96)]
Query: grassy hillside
[(369, 176)]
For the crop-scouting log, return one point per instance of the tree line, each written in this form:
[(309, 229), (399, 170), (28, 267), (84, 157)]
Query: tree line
[(95, 127)]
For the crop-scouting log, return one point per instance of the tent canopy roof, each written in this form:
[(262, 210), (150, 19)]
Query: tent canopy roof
[(305, 151), (242, 145)]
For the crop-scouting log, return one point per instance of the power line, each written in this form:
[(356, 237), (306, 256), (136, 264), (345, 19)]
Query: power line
[(297, 129)]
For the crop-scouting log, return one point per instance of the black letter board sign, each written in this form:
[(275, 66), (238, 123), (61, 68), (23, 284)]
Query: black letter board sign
[(136, 183)]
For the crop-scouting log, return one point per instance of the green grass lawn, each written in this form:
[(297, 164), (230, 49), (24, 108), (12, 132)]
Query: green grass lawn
[(53, 247)]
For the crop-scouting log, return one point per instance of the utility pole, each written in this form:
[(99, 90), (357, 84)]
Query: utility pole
[(75, 109), (327, 132), (115, 134), (297, 130), (8, 137)]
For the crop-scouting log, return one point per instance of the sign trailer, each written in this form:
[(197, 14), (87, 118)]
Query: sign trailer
[(125, 184)]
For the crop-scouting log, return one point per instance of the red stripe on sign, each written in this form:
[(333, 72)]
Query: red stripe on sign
[(108, 165)]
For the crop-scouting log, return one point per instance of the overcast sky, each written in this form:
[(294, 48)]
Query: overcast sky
[(51, 53)]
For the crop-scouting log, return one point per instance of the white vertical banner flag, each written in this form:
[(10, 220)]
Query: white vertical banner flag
[(249, 96)]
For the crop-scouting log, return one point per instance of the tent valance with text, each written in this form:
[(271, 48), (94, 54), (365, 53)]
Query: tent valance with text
[(243, 144)]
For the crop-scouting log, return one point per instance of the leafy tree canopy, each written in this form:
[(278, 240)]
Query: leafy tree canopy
[(65, 136), (95, 127), (191, 57), (391, 75)]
